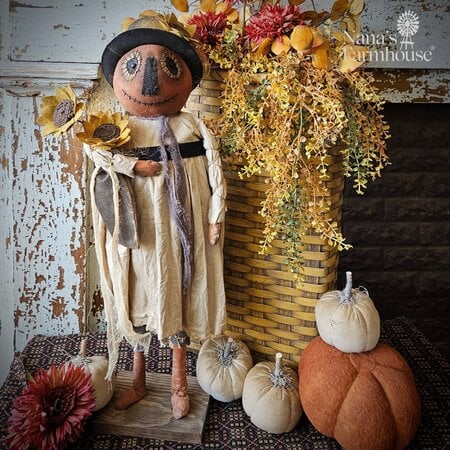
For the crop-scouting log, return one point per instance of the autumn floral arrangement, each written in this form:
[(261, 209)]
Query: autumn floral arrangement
[(294, 96)]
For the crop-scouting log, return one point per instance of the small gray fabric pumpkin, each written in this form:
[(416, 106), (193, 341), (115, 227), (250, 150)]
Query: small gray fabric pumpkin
[(348, 319), (270, 396), (222, 365)]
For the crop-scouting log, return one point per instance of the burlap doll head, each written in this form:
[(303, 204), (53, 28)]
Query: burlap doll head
[(152, 66)]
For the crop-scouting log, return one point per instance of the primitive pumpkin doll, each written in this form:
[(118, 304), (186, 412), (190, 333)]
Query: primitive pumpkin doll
[(158, 206)]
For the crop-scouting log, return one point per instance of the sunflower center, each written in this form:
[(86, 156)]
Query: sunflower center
[(106, 132), (64, 111)]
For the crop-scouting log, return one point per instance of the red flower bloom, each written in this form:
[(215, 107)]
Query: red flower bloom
[(273, 21), (209, 27), (52, 409)]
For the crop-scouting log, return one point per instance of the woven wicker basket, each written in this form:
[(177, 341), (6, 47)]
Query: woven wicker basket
[(264, 307)]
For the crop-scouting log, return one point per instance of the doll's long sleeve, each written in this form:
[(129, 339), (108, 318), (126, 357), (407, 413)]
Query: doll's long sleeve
[(217, 206), (108, 160)]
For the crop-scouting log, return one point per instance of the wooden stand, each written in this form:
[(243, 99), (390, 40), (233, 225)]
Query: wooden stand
[(152, 416)]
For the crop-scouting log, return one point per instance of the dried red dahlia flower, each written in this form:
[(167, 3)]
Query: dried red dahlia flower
[(273, 22), (52, 409), (209, 27)]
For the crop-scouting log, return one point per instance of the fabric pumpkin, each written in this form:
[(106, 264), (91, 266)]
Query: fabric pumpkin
[(364, 400), (270, 396), (222, 366), (97, 367), (348, 319)]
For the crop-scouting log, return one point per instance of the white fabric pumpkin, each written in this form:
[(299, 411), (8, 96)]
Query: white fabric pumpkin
[(222, 365), (348, 319), (97, 367), (270, 396)]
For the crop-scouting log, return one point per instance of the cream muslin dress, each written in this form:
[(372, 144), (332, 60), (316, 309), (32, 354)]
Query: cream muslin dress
[(143, 286)]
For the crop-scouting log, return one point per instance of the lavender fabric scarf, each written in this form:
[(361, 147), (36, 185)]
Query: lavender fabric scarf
[(176, 191)]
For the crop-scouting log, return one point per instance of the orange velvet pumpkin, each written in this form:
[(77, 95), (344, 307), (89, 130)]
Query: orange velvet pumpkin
[(364, 400)]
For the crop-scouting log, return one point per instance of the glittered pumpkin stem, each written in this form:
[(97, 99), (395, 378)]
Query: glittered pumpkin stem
[(347, 292), (227, 349), (278, 370)]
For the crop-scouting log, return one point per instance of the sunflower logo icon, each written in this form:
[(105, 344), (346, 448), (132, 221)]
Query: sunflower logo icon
[(407, 26)]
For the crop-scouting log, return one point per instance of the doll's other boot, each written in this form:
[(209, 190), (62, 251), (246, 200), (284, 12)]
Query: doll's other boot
[(180, 396), (137, 391)]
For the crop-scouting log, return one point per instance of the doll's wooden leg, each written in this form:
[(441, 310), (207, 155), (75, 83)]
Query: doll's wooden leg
[(137, 391), (180, 396)]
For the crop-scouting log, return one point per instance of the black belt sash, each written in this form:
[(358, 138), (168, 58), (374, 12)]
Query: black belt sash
[(187, 150)]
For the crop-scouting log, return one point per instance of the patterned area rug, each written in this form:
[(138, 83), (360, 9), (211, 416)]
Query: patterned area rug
[(227, 426)]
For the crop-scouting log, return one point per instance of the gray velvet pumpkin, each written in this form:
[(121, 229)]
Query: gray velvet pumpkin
[(270, 396), (222, 366)]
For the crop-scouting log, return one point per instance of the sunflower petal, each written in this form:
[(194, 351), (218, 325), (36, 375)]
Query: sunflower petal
[(49, 100), (125, 24)]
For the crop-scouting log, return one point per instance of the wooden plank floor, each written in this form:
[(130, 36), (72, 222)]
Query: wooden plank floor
[(152, 416)]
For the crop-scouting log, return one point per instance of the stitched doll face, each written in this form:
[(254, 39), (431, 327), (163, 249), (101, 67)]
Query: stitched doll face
[(152, 81)]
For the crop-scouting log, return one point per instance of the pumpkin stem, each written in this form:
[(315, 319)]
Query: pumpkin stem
[(280, 378), (83, 346), (347, 292), (227, 349), (278, 358)]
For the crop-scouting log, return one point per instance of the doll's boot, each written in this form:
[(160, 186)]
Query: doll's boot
[(137, 391), (180, 396)]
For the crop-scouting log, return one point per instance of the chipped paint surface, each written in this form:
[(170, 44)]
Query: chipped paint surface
[(69, 31), (43, 210)]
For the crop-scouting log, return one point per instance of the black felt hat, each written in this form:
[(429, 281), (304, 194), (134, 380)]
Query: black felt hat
[(132, 38)]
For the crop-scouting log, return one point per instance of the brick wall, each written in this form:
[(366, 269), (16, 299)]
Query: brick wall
[(400, 229)]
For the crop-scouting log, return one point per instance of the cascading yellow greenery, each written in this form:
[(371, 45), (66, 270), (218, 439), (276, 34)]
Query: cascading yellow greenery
[(288, 124), (293, 102)]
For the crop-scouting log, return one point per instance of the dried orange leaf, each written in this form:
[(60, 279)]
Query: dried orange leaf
[(340, 7), (309, 15), (351, 24), (233, 16), (320, 58), (223, 7), (208, 5), (180, 5), (318, 38), (354, 57), (302, 38), (341, 37), (356, 7), (320, 18), (280, 46), (296, 2), (263, 47)]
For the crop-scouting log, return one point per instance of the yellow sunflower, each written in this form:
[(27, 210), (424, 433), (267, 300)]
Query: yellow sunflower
[(106, 131), (59, 112)]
